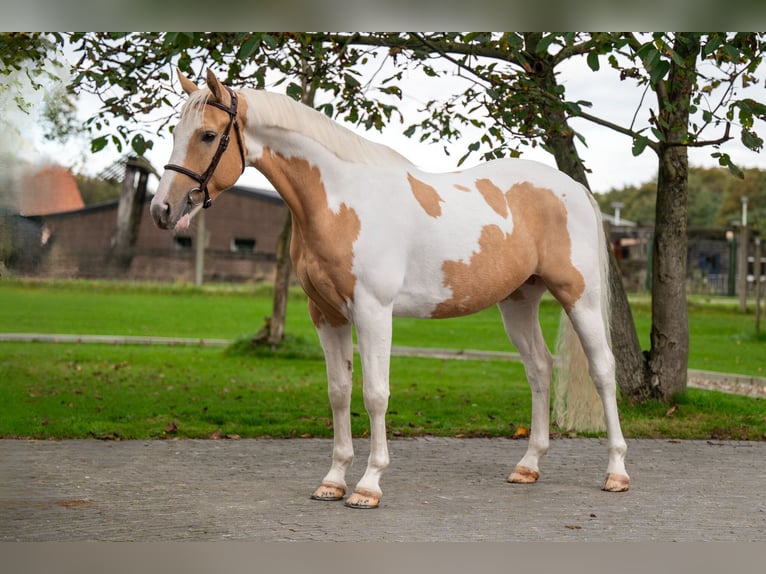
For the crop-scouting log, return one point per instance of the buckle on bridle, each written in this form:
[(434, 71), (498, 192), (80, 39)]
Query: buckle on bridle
[(201, 196)]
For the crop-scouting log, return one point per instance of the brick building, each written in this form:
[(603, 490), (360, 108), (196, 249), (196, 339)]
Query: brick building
[(242, 228)]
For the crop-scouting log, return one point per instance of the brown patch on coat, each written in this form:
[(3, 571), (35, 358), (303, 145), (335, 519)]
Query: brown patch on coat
[(428, 198), (494, 196), (322, 244), (539, 245), (463, 188)]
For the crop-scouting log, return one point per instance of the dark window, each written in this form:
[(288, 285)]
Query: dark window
[(243, 245), (182, 242)]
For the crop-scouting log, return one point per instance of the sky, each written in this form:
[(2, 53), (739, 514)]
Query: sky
[(607, 155)]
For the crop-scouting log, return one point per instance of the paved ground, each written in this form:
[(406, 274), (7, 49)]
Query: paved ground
[(437, 489)]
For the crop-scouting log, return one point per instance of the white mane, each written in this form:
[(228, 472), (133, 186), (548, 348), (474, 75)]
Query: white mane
[(277, 110)]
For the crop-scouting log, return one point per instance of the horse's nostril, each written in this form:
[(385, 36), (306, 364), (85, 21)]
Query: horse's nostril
[(161, 214)]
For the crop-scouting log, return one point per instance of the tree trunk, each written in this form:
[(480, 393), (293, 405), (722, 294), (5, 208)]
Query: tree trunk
[(281, 284), (625, 345), (273, 330), (669, 354)]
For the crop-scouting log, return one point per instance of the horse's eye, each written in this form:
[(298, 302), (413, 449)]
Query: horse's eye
[(208, 137)]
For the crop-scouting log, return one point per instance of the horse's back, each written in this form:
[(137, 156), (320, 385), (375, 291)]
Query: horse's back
[(477, 235)]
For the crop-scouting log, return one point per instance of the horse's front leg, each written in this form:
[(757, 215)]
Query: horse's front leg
[(373, 331), (338, 349)]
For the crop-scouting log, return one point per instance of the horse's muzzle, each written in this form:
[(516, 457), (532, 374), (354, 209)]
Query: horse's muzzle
[(161, 214)]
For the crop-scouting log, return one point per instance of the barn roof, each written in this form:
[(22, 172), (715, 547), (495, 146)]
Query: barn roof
[(51, 189)]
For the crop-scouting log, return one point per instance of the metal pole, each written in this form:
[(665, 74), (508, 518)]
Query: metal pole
[(731, 284), (742, 270)]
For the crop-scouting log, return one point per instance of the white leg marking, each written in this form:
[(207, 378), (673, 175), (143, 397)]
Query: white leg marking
[(373, 331), (339, 356), (590, 329), (520, 319)]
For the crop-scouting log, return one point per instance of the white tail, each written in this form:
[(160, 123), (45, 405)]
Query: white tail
[(576, 403)]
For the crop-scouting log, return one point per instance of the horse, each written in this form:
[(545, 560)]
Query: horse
[(375, 237)]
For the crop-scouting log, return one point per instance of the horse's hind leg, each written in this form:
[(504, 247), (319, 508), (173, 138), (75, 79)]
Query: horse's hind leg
[(338, 349), (520, 318), (588, 323)]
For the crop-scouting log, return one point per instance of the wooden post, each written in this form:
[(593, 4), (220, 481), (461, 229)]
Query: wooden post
[(199, 260), (121, 239), (131, 203), (757, 272)]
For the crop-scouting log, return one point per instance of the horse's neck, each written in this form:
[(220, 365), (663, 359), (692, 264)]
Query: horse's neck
[(297, 180)]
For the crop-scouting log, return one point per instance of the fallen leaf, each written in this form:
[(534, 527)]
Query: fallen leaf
[(521, 432), (671, 411), (172, 427), (73, 503)]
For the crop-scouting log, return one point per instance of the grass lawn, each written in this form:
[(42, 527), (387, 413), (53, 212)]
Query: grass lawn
[(103, 391)]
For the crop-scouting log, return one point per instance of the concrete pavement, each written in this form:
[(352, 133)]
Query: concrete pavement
[(437, 489)]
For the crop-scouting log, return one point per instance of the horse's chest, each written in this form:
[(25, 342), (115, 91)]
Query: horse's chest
[(324, 272)]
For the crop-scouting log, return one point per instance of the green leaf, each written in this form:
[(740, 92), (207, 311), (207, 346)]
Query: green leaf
[(593, 61), (725, 161), (98, 144), (138, 144), (639, 145), (248, 48), (544, 43), (658, 71), (752, 140), (295, 91), (712, 45), (351, 81), (270, 41)]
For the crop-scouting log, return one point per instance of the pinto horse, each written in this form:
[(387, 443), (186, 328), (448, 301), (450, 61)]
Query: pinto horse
[(375, 237)]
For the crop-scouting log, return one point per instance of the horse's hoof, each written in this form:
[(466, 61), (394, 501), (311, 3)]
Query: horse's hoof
[(523, 475), (616, 483), (363, 499), (329, 491)]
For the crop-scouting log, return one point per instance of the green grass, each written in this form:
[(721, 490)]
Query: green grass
[(67, 391), (139, 392), (722, 339), (104, 391)]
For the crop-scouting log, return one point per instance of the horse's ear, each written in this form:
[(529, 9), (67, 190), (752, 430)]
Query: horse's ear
[(215, 86), (187, 85)]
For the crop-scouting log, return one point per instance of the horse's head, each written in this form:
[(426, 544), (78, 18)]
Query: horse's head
[(202, 164)]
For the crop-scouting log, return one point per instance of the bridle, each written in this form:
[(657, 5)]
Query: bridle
[(204, 178)]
